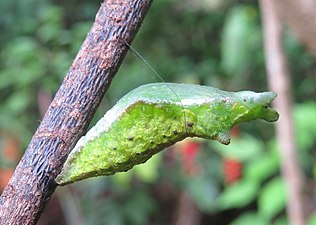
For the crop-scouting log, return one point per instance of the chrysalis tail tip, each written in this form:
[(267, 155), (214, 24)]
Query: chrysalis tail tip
[(224, 138), (61, 181)]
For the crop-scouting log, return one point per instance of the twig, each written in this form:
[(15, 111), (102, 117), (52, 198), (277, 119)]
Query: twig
[(70, 112), (279, 82)]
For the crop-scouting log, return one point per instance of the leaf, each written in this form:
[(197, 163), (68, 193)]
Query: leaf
[(149, 171), (244, 148), (23, 63), (249, 219), (138, 207), (312, 219), (202, 191), (51, 24), (236, 42), (18, 102), (238, 195), (261, 168), (305, 124), (281, 221), (272, 198)]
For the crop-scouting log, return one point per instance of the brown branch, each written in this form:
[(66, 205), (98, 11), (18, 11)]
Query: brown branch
[(300, 16), (187, 213), (279, 82), (70, 112)]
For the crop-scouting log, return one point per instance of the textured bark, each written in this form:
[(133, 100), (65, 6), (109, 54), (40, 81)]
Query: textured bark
[(70, 112), (278, 77)]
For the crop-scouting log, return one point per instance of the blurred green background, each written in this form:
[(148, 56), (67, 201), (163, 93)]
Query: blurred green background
[(217, 43)]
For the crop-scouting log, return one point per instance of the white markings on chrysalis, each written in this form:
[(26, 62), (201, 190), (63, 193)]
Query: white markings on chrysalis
[(194, 101), (103, 125)]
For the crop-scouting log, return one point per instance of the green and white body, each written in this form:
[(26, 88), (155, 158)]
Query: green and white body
[(155, 116)]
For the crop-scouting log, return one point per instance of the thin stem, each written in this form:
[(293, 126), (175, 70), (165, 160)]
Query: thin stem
[(71, 111), (278, 78)]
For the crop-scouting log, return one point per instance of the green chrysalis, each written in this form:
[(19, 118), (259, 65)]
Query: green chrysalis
[(149, 119)]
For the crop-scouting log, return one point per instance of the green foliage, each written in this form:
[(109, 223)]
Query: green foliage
[(148, 172), (245, 149), (262, 167), (249, 219), (238, 195), (272, 198), (305, 123), (119, 208), (32, 61), (203, 191), (312, 219), (241, 37)]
